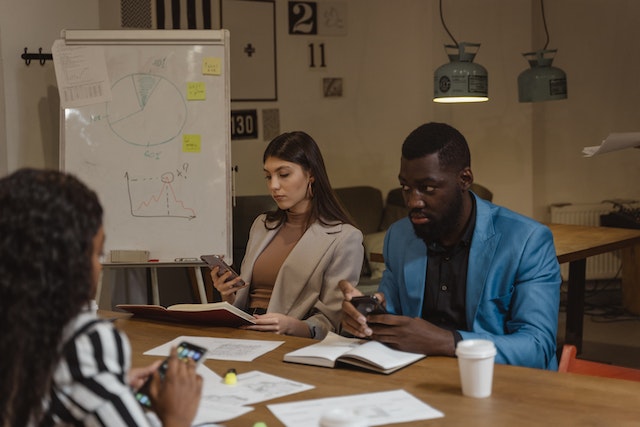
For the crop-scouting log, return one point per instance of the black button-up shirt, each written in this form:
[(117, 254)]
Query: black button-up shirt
[(446, 281)]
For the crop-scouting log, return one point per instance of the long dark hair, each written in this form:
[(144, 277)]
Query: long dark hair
[(298, 147), (48, 220)]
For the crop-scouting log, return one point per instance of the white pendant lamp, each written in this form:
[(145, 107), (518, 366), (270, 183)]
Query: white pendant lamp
[(460, 80), (542, 81)]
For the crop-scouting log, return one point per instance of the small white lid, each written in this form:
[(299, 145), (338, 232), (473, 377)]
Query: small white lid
[(475, 349)]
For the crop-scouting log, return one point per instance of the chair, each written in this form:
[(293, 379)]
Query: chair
[(569, 363)]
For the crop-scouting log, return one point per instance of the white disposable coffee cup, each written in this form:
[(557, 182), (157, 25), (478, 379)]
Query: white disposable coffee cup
[(342, 417), (475, 361)]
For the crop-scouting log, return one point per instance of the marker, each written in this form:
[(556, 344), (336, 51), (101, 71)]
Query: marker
[(230, 377), (186, 260), (154, 260)]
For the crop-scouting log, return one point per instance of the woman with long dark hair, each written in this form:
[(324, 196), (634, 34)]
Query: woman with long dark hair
[(296, 254), (60, 363)]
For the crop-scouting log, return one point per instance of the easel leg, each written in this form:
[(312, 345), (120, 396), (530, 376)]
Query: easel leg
[(200, 281), (154, 286), (96, 297)]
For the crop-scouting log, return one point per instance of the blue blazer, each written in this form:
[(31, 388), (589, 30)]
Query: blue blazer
[(513, 283)]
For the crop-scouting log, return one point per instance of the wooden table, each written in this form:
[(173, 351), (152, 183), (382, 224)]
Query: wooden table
[(574, 244), (521, 396)]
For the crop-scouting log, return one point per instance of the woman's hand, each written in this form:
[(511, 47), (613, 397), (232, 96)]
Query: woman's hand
[(176, 398), (137, 376), (280, 324), (226, 288)]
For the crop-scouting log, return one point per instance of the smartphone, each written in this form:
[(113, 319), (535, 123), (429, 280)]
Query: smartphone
[(185, 351), (215, 260), (368, 304)]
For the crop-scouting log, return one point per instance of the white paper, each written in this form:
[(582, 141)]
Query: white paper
[(222, 402), (614, 142), (81, 73), (221, 348), (381, 408), (252, 387), (212, 411)]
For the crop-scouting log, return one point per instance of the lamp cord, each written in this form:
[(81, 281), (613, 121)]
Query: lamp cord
[(445, 26), (544, 21)]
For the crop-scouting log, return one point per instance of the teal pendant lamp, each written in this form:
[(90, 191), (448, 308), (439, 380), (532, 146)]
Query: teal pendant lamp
[(461, 80), (542, 81)]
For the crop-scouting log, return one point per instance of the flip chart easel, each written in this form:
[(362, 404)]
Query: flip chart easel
[(155, 143)]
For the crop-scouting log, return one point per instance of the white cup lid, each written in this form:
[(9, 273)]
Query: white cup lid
[(475, 349)]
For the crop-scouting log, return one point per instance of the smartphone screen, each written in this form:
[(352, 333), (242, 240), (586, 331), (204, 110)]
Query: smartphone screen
[(185, 351), (216, 261)]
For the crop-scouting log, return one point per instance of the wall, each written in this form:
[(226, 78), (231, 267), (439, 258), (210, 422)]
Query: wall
[(529, 155), (387, 61), (30, 95), (598, 43)]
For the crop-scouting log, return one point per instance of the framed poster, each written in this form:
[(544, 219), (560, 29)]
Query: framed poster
[(251, 24)]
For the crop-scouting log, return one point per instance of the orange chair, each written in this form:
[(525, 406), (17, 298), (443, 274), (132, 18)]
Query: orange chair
[(569, 363)]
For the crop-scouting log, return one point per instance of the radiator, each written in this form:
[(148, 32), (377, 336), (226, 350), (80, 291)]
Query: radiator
[(605, 266)]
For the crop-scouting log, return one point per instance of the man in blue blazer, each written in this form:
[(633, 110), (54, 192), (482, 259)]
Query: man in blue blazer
[(459, 267)]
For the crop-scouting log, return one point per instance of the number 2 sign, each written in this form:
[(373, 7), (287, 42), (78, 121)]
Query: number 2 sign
[(303, 17)]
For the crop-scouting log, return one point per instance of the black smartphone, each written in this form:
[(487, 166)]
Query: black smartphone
[(185, 351), (215, 260), (368, 304)]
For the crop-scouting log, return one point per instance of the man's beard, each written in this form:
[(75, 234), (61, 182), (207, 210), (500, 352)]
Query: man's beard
[(434, 230)]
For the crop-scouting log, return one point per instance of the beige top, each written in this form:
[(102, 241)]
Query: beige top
[(268, 263), (306, 285)]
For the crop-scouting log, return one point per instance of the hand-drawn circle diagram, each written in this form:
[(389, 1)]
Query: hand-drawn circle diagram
[(146, 110)]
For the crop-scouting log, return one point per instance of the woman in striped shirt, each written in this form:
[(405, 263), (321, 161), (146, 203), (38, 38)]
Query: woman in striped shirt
[(60, 363)]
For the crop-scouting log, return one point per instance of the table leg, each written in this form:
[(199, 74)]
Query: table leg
[(575, 303), (631, 279)]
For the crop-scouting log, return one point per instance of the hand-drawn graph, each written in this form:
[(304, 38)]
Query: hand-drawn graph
[(156, 196), (149, 102)]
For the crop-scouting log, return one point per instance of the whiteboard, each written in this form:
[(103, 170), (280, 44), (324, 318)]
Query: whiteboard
[(158, 152)]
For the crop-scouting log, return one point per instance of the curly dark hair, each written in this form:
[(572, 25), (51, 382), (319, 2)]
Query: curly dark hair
[(448, 142), (48, 220), (298, 147)]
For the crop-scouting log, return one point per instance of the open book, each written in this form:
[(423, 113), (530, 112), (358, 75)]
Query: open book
[(366, 354), (215, 314)]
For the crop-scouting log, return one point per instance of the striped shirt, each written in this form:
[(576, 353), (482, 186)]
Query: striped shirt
[(90, 382)]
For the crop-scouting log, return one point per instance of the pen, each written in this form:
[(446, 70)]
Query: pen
[(186, 260)]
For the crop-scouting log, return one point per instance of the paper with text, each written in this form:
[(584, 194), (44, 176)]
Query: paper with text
[(381, 408), (221, 348)]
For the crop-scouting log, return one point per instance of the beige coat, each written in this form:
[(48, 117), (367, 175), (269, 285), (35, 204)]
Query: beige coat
[(307, 284)]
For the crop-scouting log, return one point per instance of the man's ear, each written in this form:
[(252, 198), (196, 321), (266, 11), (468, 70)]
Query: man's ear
[(466, 179)]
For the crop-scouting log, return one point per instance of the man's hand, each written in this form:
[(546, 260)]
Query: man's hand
[(414, 335), (352, 320)]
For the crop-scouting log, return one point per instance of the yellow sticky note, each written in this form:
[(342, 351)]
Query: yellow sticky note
[(211, 66), (191, 143), (196, 91)]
